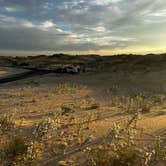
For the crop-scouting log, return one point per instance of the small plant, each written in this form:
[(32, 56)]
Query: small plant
[(117, 149), (145, 108), (125, 157), (17, 146), (80, 132), (59, 148), (43, 127), (6, 122), (89, 104), (20, 151), (144, 104), (114, 133), (64, 88), (160, 150), (147, 157), (134, 120), (99, 156), (33, 152), (68, 87), (66, 110)]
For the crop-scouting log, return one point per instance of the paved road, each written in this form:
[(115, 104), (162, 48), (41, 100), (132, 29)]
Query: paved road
[(19, 76)]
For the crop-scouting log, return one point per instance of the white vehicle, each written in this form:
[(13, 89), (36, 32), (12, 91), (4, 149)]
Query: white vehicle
[(71, 69)]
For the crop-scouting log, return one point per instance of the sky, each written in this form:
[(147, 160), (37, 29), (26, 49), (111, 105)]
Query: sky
[(29, 27)]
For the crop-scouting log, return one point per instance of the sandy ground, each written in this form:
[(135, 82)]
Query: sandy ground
[(3, 71), (101, 87), (7, 71), (40, 96)]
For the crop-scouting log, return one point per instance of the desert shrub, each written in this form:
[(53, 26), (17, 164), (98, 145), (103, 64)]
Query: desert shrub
[(102, 156), (144, 105), (80, 132), (125, 157), (99, 156), (41, 128), (116, 150), (159, 149), (120, 148), (16, 146), (147, 157), (20, 151), (6, 122), (158, 99)]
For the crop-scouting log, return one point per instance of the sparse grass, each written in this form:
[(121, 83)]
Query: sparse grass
[(17, 146), (6, 122), (133, 104), (68, 88), (118, 147)]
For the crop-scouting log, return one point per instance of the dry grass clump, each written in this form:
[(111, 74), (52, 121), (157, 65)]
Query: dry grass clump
[(89, 103), (68, 88), (20, 150), (42, 128), (140, 104), (58, 149), (100, 156), (6, 122), (16, 146)]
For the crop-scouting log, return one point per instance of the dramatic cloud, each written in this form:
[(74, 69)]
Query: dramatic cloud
[(81, 25)]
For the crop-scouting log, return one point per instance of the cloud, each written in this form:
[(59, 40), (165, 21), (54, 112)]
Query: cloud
[(48, 24), (78, 24), (28, 24), (103, 2), (10, 9)]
